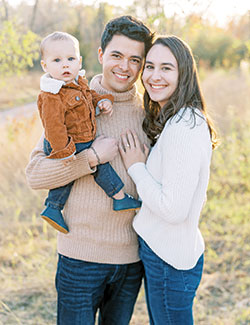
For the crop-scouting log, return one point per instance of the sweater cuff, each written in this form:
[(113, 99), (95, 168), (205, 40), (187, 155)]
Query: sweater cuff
[(103, 100), (81, 164), (137, 172)]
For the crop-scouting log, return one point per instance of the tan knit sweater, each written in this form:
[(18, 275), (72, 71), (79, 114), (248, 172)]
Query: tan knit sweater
[(96, 232)]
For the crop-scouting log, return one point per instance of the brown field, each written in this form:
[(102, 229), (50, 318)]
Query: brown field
[(28, 246)]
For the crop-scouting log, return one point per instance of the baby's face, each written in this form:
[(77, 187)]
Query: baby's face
[(62, 60)]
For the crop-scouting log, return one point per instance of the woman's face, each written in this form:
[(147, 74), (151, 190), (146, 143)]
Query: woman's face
[(160, 74)]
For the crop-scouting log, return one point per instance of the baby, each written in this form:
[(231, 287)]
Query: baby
[(67, 109)]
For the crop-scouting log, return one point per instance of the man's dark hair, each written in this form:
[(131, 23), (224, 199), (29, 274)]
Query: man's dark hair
[(127, 26)]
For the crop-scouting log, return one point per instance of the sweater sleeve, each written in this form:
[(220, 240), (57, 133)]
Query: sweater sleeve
[(180, 152), (43, 173)]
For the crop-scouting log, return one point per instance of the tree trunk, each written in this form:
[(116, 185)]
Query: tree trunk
[(33, 17), (6, 10)]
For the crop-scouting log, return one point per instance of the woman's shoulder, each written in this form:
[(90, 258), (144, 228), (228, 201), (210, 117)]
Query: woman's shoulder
[(188, 118), (189, 115), (189, 124)]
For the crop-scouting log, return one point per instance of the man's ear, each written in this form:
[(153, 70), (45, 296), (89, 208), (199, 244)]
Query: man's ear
[(43, 65), (100, 55)]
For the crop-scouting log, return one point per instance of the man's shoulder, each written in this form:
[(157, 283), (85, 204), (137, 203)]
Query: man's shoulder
[(95, 81)]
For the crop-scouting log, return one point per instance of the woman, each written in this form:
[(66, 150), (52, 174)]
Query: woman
[(173, 182)]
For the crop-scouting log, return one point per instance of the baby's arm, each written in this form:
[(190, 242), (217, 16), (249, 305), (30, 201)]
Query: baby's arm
[(106, 106), (103, 102), (52, 113)]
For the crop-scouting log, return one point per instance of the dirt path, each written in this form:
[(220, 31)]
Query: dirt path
[(17, 112)]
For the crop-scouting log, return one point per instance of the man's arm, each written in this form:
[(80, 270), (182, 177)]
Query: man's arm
[(44, 173)]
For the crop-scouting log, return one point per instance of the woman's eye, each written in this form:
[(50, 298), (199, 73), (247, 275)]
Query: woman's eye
[(165, 68)]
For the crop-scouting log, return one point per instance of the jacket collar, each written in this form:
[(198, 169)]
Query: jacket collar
[(50, 85)]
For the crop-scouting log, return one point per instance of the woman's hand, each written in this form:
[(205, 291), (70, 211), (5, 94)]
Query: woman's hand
[(131, 150)]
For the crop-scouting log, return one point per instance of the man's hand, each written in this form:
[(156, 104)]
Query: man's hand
[(106, 107), (106, 149)]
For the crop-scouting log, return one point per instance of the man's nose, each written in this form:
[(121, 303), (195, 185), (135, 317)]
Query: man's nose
[(124, 64)]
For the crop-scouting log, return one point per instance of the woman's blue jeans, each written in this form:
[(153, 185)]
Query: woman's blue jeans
[(169, 292), (84, 287), (105, 176)]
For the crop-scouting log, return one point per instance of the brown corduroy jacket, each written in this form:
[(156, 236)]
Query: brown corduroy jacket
[(68, 114)]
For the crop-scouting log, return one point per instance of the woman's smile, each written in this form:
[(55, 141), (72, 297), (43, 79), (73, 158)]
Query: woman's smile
[(160, 74)]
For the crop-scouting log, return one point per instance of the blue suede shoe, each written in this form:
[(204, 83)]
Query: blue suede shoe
[(127, 203), (55, 219)]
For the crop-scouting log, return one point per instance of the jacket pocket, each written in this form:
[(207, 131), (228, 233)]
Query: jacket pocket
[(77, 109), (75, 100)]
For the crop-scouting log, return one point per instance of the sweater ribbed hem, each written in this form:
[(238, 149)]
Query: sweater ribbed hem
[(94, 252)]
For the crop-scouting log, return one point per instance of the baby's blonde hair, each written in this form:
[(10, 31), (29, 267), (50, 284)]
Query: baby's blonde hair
[(58, 36)]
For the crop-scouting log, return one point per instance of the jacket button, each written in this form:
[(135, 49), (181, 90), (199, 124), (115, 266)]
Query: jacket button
[(77, 98)]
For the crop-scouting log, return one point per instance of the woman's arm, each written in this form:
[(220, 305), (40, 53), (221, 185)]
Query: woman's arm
[(44, 173), (181, 157)]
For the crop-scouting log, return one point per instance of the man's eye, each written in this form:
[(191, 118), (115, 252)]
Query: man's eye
[(135, 61), (71, 58), (149, 67), (116, 56)]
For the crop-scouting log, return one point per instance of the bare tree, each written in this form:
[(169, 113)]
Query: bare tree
[(6, 10), (33, 17)]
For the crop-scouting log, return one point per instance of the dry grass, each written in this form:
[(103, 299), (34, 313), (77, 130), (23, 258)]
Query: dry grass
[(28, 247), (227, 93), (19, 90)]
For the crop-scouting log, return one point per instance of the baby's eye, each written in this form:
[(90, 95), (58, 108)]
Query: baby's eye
[(57, 60), (71, 58)]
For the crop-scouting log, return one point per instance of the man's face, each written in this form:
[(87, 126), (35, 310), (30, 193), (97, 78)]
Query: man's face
[(122, 62)]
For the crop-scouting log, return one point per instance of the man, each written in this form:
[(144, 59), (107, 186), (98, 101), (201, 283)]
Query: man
[(98, 265)]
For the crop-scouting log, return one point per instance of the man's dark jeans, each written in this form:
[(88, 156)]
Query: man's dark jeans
[(84, 287), (105, 176)]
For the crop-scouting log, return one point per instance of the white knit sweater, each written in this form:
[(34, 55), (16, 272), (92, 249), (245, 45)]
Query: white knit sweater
[(172, 185)]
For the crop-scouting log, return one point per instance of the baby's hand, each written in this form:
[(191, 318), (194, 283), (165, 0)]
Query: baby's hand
[(106, 107), (67, 161)]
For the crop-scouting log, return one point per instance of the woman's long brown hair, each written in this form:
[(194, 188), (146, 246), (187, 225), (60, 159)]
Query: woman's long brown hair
[(187, 94)]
